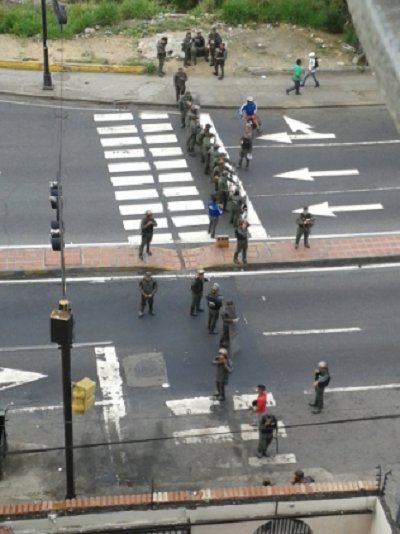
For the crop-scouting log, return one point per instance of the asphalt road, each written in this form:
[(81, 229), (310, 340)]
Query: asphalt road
[(97, 208), (141, 365)]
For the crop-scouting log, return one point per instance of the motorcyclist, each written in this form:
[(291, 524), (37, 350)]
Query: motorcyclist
[(248, 111)]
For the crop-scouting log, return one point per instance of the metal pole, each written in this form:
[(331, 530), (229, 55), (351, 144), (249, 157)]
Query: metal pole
[(67, 397), (47, 84), (62, 242)]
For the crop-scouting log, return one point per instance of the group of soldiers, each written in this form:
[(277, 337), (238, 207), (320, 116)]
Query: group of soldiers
[(213, 51)]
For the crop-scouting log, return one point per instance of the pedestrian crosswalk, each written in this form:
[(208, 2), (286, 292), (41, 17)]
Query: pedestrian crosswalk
[(149, 171), (198, 407)]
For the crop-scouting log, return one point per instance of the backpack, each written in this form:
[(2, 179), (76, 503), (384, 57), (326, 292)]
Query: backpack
[(316, 64), (246, 143)]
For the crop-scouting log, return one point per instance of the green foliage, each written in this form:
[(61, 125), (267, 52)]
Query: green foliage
[(106, 13), (7, 19), (139, 9), (80, 16), (23, 21)]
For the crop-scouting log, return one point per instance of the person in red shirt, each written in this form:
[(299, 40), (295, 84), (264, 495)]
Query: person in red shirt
[(260, 404)]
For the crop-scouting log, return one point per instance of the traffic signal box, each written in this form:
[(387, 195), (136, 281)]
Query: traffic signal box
[(83, 395), (55, 226)]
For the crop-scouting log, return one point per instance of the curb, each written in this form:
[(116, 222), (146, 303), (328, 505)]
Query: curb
[(73, 67)]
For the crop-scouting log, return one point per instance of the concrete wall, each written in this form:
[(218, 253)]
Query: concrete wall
[(378, 27)]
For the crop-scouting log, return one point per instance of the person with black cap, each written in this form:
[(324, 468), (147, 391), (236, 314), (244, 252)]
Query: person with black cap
[(214, 300), (196, 288), (321, 381), (147, 225), (148, 288), (222, 372), (266, 428)]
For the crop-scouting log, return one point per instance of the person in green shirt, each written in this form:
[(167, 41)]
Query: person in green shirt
[(296, 77)]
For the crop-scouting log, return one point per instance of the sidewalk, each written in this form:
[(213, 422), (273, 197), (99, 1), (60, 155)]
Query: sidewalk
[(338, 88)]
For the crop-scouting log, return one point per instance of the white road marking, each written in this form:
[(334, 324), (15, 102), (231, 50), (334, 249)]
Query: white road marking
[(124, 181), (190, 220), (108, 372), (11, 378), (134, 224), (328, 192), (284, 137), (175, 177), (273, 460), (127, 153), (185, 205), (158, 239), (51, 346), (117, 130), (250, 432), (323, 209), (329, 145), (51, 408), (195, 237), (181, 191), (297, 126), (152, 115), (192, 406), (158, 127), (161, 139), (129, 167), (140, 209), (120, 141), (170, 164), (166, 151), (243, 402), (308, 176), (137, 194), (107, 117), (315, 331), (351, 389), (218, 434)]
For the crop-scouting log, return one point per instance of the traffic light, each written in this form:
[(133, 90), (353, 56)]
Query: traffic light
[(55, 228), (83, 395)]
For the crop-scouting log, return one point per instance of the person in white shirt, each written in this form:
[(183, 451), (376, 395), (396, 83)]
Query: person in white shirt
[(311, 70)]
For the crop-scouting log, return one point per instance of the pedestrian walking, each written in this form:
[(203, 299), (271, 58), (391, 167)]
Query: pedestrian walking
[(147, 229), (266, 428), (180, 79), (222, 373), (229, 320), (214, 301), (221, 55), (186, 46), (313, 64), (259, 405), (242, 242), (197, 288), (296, 77), (245, 151), (321, 381), (305, 221), (161, 54), (148, 288), (215, 209)]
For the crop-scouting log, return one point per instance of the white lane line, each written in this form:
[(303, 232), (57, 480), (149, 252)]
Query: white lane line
[(189, 191), (128, 153), (250, 432), (134, 224), (160, 139), (170, 164), (327, 145), (195, 237), (124, 181), (117, 130), (24, 348), (175, 177), (129, 167), (243, 402), (257, 231), (158, 127), (192, 406), (273, 460), (120, 141), (158, 239), (166, 151), (108, 372), (218, 434), (150, 115), (136, 194), (140, 209), (51, 408), (190, 220), (186, 205), (106, 117), (307, 332), (351, 389)]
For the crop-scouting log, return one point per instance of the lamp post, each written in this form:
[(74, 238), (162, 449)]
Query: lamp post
[(47, 84)]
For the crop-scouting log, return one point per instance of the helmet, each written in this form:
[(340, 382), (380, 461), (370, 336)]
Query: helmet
[(323, 365), (200, 271), (250, 99), (311, 54), (223, 351), (215, 286)]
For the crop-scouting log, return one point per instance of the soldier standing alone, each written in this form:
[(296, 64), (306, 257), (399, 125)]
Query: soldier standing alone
[(197, 292), (161, 54), (214, 300), (148, 288), (180, 79), (321, 381)]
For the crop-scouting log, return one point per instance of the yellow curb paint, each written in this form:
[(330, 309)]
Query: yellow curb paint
[(72, 67)]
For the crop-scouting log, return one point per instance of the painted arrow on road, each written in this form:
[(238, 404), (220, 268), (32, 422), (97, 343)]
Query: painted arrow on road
[(308, 176), (325, 210), (11, 378), (296, 126)]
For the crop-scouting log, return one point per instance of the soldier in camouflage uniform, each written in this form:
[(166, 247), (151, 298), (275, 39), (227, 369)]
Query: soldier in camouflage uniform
[(184, 106)]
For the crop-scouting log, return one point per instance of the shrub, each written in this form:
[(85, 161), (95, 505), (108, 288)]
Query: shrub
[(80, 16), (106, 13), (238, 11), (139, 9), (27, 21), (7, 19)]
